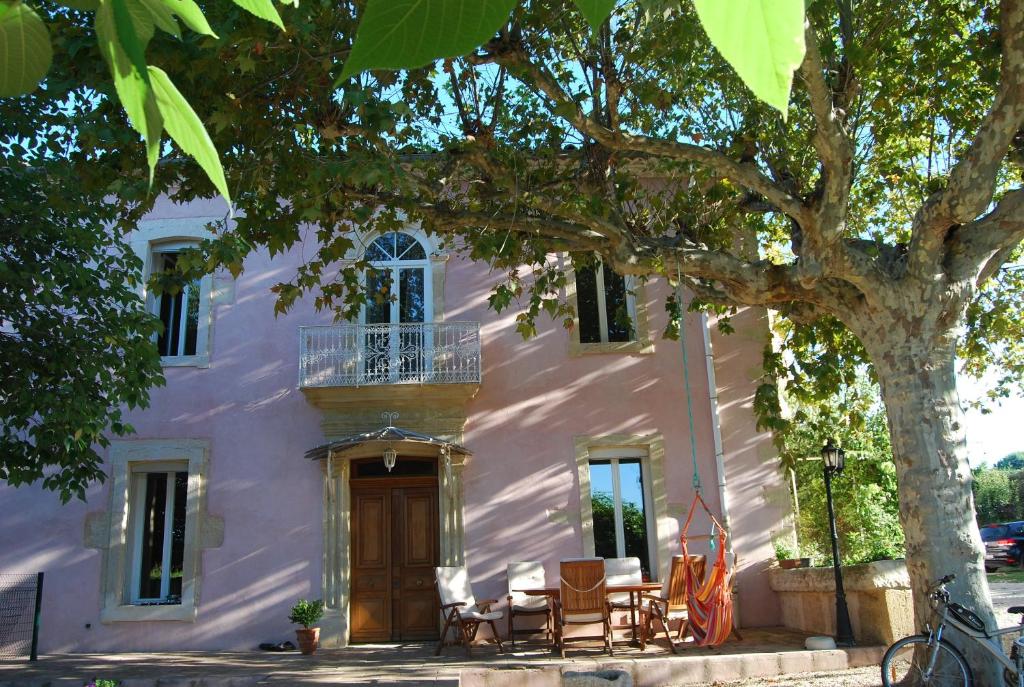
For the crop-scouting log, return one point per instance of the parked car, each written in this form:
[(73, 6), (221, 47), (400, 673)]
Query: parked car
[(1004, 544)]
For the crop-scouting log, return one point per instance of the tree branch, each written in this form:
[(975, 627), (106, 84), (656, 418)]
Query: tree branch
[(972, 179), (978, 249), (832, 144), (515, 59)]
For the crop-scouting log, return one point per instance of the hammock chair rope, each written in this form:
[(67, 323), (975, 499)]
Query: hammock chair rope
[(709, 601)]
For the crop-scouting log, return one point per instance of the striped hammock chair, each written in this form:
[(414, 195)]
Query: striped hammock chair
[(709, 600)]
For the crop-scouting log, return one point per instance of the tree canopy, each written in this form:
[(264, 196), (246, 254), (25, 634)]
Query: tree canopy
[(75, 347)]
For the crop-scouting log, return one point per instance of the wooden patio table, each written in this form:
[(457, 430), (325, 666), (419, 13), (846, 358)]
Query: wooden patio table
[(638, 589)]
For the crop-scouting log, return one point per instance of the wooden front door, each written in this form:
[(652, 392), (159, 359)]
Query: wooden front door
[(394, 551)]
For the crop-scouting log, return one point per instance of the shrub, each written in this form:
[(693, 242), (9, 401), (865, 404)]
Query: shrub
[(307, 613)]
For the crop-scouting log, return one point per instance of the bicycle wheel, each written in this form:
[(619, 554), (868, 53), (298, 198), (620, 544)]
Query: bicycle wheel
[(906, 661)]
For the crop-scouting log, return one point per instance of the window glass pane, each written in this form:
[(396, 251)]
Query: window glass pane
[(154, 506), (408, 248), (169, 308), (380, 249), (378, 296), (586, 305), (191, 318), (178, 535), (620, 328), (405, 466), (410, 289), (634, 517), (603, 508)]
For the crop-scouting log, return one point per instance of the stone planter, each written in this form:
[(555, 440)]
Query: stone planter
[(790, 563), (877, 594)]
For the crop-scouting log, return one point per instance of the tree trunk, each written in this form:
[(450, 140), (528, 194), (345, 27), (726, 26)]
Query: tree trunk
[(918, 382)]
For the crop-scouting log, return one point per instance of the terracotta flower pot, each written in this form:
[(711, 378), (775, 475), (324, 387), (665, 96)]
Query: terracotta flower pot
[(309, 640)]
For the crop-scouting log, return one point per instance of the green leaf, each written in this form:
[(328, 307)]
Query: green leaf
[(127, 24), (763, 40), (155, 124), (187, 130), (161, 15), (404, 34), (596, 11), (188, 11), (132, 85), (264, 9), (25, 50)]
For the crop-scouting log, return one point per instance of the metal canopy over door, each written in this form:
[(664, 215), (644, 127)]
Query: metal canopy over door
[(394, 550)]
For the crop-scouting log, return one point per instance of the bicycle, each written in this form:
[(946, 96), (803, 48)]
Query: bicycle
[(930, 659)]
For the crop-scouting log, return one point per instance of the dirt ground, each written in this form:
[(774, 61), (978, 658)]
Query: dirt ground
[(859, 677)]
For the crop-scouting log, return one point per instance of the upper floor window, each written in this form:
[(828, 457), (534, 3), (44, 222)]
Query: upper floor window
[(184, 314), (179, 312), (397, 284), (605, 306)]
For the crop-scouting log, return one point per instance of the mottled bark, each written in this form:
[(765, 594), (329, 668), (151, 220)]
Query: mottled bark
[(916, 371)]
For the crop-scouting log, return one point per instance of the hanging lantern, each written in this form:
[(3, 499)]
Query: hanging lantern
[(390, 457)]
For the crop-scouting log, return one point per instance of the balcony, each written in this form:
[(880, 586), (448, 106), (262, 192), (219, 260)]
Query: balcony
[(348, 364)]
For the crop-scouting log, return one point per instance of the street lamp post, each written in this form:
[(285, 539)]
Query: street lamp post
[(835, 459)]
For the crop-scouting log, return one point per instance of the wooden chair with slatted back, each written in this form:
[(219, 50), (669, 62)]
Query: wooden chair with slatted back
[(582, 601), (671, 603)]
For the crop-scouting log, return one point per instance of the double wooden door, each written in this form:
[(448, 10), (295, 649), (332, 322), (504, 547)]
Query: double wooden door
[(394, 551)]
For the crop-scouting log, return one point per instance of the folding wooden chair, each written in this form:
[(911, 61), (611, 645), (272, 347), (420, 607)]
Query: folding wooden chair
[(462, 611), (670, 604), (582, 601), (623, 571), (526, 575)]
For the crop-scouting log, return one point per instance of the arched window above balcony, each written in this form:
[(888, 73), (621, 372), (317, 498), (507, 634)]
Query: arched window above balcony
[(398, 285)]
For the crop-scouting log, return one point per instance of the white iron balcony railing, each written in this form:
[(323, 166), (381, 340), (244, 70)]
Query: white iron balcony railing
[(374, 354)]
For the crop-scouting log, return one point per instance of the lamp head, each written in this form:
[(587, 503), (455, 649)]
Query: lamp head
[(390, 458), (834, 457)]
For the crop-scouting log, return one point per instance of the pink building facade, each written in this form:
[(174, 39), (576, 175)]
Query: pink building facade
[(214, 521)]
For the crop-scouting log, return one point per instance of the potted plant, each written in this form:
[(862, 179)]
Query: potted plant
[(307, 614), (787, 557)]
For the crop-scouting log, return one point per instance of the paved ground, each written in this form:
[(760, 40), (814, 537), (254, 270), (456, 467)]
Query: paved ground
[(761, 652), (1004, 595), (859, 677)]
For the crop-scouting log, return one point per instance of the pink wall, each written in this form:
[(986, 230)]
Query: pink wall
[(534, 400)]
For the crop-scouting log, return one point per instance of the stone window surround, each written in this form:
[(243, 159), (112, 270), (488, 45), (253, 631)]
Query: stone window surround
[(145, 241), (117, 554), (654, 476), (643, 343)]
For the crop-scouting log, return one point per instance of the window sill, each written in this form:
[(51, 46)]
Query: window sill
[(129, 613), (185, 361), (643, 347)]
